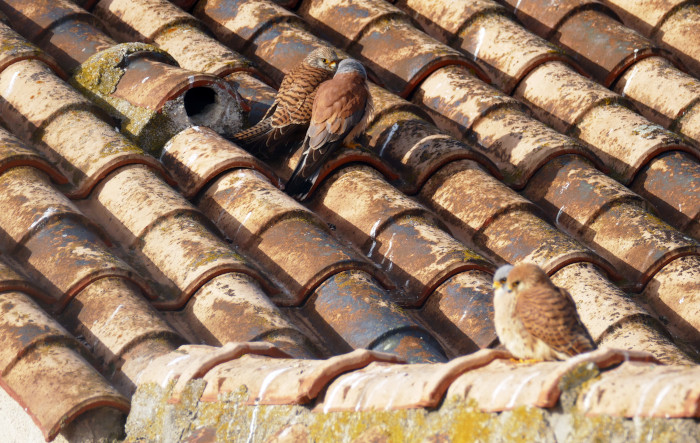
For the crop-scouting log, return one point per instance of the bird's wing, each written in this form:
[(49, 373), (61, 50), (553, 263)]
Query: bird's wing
[(549, 314), (295, 97), (339, 105)]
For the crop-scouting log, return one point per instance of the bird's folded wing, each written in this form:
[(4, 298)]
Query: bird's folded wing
[(549, 314)]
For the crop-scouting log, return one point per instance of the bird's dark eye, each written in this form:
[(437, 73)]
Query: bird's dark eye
[(325, 60), (516, 283), (502, 281)]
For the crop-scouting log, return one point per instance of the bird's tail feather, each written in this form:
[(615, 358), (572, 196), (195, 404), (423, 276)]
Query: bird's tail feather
[(306, 173), (254, 139)]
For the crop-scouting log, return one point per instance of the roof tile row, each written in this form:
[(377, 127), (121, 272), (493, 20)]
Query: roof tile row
[(340, 300)]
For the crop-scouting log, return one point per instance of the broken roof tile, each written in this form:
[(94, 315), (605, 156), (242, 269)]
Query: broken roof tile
[(75, 141), (642, 390), (382, 386)]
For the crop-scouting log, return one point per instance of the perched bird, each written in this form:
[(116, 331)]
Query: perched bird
[(341, 110), (291, 110), (535, 319)]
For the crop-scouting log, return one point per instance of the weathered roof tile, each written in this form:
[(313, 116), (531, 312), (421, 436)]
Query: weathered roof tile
[(382, 386), (643, 390)]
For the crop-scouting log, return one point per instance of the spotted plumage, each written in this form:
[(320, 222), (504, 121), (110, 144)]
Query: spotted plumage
[(290, 113), (535, 319), (341, 110)]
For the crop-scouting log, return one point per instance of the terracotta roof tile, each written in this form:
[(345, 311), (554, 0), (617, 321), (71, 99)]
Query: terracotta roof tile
[(443, 20), (198, 154), (676, 34), (545, 17), (382, 386), (667, 22), (387, 259), (173, 245), (645, 18), (140, 20), (79, 144), (16, 48), (14, 153), (36, 346), (642, 390), (504, 49), (461, 311), (610, 49), (384, 48), (52, 372), (284, 381), (502, 385), (232, 307), (624, 40), (666, 102)]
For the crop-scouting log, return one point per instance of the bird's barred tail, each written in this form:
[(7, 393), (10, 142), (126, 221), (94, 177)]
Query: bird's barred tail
[(255, 137)]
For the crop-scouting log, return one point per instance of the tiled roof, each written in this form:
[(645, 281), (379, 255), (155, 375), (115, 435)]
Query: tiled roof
[(133, 232)]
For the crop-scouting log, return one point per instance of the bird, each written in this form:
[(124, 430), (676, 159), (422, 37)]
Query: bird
[(534, 319), (341, 110), (290, 113)]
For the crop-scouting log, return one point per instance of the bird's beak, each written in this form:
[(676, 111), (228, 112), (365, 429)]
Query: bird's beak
[(333, 65), (496, 285)]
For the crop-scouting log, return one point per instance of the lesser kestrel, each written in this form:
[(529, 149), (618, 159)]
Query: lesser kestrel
[(291, 110), (535, 319), (341, 110)]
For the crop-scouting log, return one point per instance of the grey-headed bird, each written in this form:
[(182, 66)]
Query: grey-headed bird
[(534, 319), (291, 111), (341, 110)]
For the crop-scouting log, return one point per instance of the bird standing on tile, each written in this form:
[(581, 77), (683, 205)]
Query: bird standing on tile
[(291, 110), (341, 110), (534, 319)]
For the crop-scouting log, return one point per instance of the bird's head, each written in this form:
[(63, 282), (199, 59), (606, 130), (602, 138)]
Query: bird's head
[(499, 278), (524, 276), (350, 65), (324, 58)]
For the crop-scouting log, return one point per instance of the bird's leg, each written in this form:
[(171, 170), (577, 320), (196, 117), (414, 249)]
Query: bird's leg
[(352, 145)]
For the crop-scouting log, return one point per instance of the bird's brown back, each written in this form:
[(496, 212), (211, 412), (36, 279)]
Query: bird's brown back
[(549, 313), (296, 95)]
